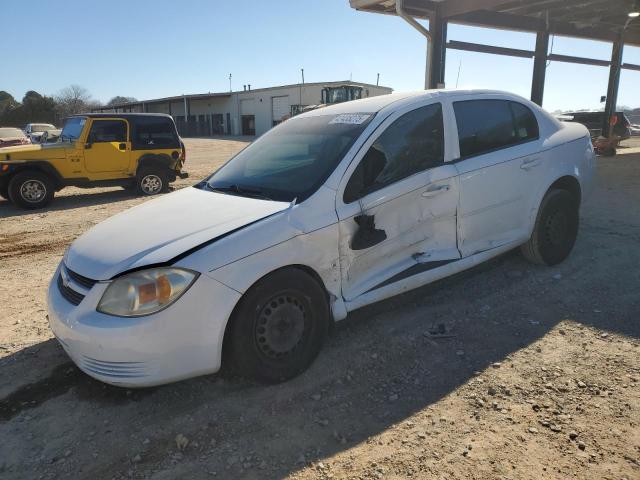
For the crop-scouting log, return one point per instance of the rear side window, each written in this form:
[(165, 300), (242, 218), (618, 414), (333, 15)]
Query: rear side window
[(411, 144), (488, 125), (153, 132), (108, 131)]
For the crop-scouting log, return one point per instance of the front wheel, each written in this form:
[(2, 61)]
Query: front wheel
[(151, 181), (279, 327), (555, 231), (31, 190)]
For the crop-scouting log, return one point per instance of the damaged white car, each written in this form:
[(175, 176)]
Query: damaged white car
[(332, 210)]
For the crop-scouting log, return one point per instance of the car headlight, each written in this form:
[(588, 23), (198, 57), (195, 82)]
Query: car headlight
[(145, 292)]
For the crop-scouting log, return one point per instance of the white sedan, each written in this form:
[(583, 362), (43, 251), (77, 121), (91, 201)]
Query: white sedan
[(332, 210)]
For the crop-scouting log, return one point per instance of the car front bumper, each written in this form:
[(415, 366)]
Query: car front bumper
[(181, 341)]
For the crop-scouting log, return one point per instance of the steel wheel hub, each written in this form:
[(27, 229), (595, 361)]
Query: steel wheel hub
[(556, 228), (33, 191), (151, 184), (280, 326)]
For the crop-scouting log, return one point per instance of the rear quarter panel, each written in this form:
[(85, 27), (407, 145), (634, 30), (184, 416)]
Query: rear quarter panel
[(567, 152)]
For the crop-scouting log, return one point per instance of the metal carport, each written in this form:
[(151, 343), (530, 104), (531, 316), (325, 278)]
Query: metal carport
[(604, 20)]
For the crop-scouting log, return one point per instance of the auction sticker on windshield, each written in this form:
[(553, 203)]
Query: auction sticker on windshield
[(351, 118)]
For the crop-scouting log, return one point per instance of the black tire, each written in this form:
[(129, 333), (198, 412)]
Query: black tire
[(556, 229), (278, 328), (151, 181), (31, 189), (4, 191)]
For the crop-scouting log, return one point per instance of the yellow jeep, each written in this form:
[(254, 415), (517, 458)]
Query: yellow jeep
[(141, 151)]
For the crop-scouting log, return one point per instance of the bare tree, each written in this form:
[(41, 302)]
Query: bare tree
[(73, 99), (119, 100)]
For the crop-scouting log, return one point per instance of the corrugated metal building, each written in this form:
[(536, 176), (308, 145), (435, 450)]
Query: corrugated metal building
[(247, 112)]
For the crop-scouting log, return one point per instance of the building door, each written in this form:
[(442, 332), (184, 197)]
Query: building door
[(248, 124), (280, 108)]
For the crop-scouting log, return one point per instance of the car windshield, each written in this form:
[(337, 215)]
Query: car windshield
[(72, 128), (41, 127), (11, 132), (292, 160)]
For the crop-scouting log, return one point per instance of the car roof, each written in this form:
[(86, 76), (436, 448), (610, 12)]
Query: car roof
[(378, 103), (120, 115)]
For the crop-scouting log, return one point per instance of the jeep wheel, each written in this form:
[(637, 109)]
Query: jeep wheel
[(151, 181), (278, 327), (31, 190), (555, 231)]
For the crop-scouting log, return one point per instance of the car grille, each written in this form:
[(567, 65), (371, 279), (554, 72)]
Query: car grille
[(68, 293), (85, 282)]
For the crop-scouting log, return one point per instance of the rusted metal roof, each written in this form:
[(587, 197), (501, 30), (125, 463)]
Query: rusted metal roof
[(591, 19)]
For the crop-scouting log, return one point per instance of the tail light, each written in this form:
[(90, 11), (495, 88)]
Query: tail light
[(183, 153)]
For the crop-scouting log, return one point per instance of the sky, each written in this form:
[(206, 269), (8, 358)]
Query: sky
[(157, 48)]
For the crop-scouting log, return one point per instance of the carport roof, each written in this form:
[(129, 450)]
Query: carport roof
[(590, 19)]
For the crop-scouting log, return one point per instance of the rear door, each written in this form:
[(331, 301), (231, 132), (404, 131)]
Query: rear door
[(107, 149), (397, 203), (500, 159)]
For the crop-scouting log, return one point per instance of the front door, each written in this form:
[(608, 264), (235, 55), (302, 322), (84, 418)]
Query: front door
[(107, 149), (397, 203), (498, 168)]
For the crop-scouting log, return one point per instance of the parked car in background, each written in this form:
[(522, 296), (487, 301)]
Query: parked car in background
[(50, 136), (10, 136), (635, 130), (594, 121), (330, 211), (35, 130), (134, 150)]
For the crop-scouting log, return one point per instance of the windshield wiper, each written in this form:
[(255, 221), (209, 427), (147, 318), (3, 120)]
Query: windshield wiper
[(241, 191)]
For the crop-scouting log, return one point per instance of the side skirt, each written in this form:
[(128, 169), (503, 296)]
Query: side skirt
[(417, 279)]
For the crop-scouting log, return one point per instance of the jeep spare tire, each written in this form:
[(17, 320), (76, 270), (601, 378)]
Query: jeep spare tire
[(31, 189), (151, 181)]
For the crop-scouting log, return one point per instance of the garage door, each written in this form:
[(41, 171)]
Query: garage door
[(247, 106), (280, 107)]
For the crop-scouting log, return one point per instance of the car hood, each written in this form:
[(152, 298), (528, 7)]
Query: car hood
[(161, 229), (25, 152)]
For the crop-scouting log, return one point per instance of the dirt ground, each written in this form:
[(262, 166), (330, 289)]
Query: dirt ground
[(537, 374)]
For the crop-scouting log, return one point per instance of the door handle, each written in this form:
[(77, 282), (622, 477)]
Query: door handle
[(530, 163), (433, 191)]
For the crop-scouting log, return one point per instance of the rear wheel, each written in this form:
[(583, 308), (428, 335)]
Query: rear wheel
[(555, 231), (151, 181), (279, 327), (31, 189)]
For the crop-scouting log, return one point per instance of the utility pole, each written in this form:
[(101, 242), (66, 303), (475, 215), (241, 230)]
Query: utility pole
[(302, 73), (230, 90), (378, 80)]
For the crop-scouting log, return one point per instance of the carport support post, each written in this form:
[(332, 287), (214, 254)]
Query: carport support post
[(438, 29), (614, 83), (539, 67)]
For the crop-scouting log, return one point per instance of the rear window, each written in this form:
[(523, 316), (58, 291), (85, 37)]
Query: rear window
[(488, 125), (150, 132)]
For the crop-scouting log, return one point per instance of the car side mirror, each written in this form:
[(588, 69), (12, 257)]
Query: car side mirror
[(87, 145)]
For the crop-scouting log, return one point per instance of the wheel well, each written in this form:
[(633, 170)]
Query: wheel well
[(156, 160), (38, 167), (304, 268), (569, 184)]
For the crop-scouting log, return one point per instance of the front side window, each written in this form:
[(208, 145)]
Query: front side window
[(411, 144), (488, 125), (108, 131), (292, 160)]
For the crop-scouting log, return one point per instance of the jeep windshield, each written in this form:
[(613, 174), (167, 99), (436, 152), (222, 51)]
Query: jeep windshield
[(72, 128), (292, 160)]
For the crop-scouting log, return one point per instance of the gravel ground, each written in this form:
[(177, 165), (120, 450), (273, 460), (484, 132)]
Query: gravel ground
[(506, 371)]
